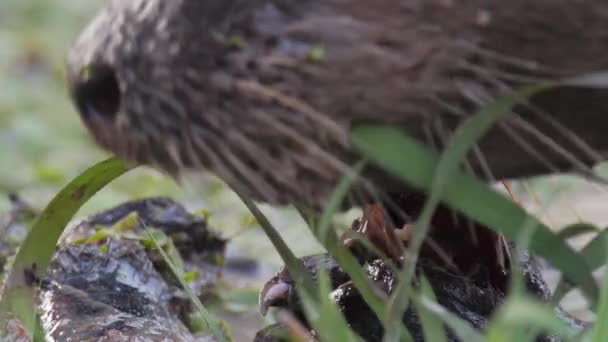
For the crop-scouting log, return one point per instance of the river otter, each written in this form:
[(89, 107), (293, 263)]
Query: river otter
[(263, 93)]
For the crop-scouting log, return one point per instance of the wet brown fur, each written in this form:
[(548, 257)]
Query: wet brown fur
[(230, 86)]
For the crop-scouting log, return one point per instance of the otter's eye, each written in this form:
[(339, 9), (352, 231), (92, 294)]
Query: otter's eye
[(97, 93)]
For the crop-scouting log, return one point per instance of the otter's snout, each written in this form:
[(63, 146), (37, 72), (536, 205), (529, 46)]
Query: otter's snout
[(96, 92)]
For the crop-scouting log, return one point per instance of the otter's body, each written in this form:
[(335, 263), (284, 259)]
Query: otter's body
[(263, 92)]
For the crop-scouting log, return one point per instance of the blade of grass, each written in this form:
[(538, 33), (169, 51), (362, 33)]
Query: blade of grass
[(463, 330), (315, 307), (432, 327), (522, 313), (372, 296), (594, 253), (323, 227), (212, 324), (19, 295), (296, 269), (577, 229), (328, 239), (330, 325), (300, 275), (460, 143), (480, 203)]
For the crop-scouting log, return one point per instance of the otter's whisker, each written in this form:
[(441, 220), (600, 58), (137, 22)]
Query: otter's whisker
[(254, 179), (307, 145), (511, 61), (549, 142), (483, 164), (501, 74), (527, 147), (444, 136), (265, 164), (175, 154), (567, 133), (207, 150), (296, 105), (164, 98), (540, 136)]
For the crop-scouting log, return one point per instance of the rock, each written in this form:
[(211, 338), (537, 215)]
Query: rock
[(472, 302), (107, 281)]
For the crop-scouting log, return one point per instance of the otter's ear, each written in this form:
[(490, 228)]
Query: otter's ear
[(95, 92)]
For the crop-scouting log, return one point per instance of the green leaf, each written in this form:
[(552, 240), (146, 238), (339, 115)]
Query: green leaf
[(432, 327), (236, 42), (316, 54), (305, 286), (329, 239), (522, 314), (577, 229), (19, 296), (295, 267), (99, 235), (450, 161), (324, 316), (174, 256), (215, 326), (157, 237), (462, 329), (205, 213), (127, 223), (481, 203), (331, 324), (595, 255), (191, 276), (595, 252), (103, 249), (324, 226)]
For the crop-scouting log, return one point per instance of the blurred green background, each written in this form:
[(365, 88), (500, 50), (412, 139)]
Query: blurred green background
[(43, 144)]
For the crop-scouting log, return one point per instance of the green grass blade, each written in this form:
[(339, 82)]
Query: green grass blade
[(462, 329), (481, 203), (373, 297), (600, 327), (577, 229), (595, 254), (460, 143), (522, 315), (328, 238), (296, 269), (19, 296), (432, 327), (212, 324), (331, 324), (314, 306), (335, 200), (324, 233)]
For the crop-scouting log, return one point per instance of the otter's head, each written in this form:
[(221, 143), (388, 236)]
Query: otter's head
[(141, 78), (189, 84)]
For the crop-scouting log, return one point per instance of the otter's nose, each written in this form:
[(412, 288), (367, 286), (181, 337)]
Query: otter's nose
[(96, 93)]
